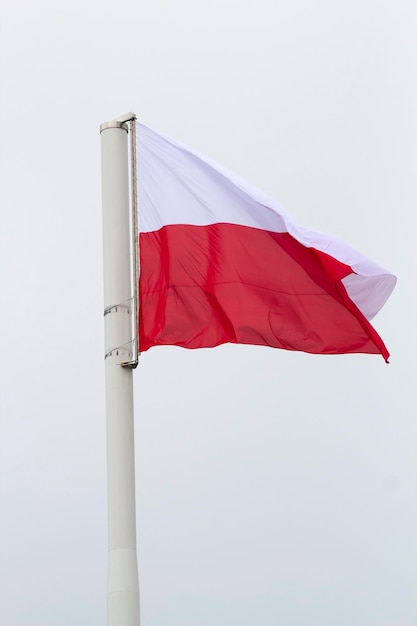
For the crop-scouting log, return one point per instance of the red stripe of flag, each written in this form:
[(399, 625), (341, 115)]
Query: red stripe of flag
[(202, 286)]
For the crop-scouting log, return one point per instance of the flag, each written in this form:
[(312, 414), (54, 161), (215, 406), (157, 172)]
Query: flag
[(221, 262)]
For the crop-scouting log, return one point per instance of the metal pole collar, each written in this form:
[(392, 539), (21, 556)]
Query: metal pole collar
[(119, 122)]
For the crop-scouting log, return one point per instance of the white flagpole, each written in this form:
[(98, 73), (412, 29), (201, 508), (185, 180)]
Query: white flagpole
[(123, 585)]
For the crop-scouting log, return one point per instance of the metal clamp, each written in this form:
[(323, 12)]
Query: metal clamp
[(116, 307)]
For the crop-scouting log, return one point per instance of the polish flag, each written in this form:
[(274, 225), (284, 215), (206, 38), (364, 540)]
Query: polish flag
[(221, 262)]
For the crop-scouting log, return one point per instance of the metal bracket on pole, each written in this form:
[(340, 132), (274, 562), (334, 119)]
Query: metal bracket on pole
[(135, 238), (129, 348)]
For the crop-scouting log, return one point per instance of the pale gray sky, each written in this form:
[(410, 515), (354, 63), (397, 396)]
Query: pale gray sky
[(272, 487)]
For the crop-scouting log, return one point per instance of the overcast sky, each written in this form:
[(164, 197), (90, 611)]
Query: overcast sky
[(273, 488)]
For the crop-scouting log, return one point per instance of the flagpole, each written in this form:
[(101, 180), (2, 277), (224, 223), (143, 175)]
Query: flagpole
[(123, 585)]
